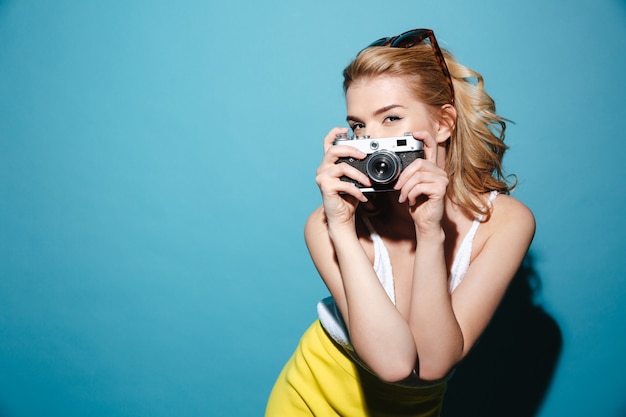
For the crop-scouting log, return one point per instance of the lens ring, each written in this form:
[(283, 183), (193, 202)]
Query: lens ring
[(383, 167)]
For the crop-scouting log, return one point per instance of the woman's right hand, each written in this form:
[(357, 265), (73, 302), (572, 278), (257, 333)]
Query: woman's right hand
[(340, 198)]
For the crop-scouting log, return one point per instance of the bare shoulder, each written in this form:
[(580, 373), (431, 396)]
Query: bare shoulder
[(316, 230), (321, 250), (512, 216), (315, 223)]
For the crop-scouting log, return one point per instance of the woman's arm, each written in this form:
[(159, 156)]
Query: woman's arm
[(378, 332), (446, 327), (436, 332)]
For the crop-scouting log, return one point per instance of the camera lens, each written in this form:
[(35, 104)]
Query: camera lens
[(383, 167)]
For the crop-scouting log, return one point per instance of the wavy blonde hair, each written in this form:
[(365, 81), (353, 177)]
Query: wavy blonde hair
[(476, 147)]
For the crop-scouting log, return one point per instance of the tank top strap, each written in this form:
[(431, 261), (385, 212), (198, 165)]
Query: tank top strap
[(461, 262)]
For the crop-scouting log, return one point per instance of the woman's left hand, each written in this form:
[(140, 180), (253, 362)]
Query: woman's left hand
[(423, 185)]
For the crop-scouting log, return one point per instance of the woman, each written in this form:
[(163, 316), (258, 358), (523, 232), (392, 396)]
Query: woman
[(415, 273)]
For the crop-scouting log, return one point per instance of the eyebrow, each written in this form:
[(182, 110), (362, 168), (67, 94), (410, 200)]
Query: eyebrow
[(376, 113)]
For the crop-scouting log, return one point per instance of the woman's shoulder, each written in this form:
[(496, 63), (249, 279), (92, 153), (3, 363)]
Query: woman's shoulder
[(510, 214), (316, 218), (315, 223)]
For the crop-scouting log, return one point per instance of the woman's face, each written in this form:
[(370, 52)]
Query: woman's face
[(383, 107)]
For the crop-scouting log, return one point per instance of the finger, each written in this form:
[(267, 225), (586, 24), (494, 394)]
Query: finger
[(333, 187), (419, 165), (332, 136), (433, 183), (426, 192), (350, 190), (337, 171), (408, 172), (430, 145), (334, 152)]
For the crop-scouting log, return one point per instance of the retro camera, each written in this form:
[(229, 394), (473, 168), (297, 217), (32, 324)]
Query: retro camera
[(386, 158)]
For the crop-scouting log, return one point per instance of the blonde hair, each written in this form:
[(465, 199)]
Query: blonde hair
[(476, 147)]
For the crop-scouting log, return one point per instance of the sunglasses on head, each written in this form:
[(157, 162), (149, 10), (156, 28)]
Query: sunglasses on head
[(414, 37)]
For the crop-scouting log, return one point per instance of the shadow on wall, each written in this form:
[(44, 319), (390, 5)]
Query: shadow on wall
[(509, 371)]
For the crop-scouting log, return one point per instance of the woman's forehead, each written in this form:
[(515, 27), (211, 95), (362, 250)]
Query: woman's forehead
[(378, 91)]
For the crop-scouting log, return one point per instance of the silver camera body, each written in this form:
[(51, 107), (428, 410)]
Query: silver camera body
[(386, 158)]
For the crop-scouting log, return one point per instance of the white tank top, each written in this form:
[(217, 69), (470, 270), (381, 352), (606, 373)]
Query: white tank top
[(327, 310)]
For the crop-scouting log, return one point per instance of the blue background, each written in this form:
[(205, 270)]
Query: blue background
[(157, 165)]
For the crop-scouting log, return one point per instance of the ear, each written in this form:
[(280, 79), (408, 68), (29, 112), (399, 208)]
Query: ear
[(446, 122)]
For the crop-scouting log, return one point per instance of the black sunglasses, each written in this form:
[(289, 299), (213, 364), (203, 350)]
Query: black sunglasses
[(413, 37)]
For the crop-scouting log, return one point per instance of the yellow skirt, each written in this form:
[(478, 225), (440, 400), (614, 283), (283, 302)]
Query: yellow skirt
[(321, 380)]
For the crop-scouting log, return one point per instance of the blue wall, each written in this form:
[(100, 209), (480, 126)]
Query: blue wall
[(156, 169)]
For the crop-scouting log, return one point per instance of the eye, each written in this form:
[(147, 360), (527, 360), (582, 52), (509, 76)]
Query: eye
[(391, 119), (357, 126)]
